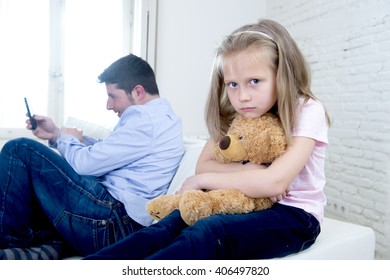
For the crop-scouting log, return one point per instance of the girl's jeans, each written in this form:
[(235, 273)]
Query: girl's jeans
[(39, 189), (275, 232)]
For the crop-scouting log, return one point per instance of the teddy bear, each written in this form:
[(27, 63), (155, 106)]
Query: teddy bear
[(258, 140)]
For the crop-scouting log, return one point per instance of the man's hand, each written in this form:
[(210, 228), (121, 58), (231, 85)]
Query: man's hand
[(72, 131), (46, 129)]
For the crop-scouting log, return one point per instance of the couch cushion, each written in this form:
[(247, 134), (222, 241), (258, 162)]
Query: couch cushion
[(193, 148), (340, 240)]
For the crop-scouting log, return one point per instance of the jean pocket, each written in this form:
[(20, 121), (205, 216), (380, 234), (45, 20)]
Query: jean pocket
[(86, 235)]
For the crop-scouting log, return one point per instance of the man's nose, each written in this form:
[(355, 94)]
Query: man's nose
[(109, 105)]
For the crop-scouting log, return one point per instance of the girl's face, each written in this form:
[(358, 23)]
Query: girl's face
[(250, 82)]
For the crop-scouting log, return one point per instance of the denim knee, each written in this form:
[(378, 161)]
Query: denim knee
[(203, 240), (17, 142)]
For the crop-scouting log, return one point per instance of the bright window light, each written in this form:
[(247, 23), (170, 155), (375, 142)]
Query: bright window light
[(81, 38), (94, 38), (24, 48)]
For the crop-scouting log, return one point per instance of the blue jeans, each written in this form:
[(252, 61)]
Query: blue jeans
[(276, 232), (43, 199)]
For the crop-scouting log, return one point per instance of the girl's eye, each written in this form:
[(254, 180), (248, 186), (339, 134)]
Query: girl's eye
[(255, 81), (232, 85)]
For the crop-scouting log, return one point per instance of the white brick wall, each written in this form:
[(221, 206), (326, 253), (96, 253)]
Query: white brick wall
[(347, 44)]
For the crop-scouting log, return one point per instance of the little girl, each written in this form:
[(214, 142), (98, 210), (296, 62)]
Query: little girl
[(258, 69)]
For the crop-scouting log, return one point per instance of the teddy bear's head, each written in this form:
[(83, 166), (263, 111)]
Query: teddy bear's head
[(259, 140)]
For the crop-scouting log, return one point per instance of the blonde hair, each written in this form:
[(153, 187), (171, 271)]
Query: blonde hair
[(292, 75)]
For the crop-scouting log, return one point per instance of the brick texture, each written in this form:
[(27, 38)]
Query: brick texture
[(347, 44)]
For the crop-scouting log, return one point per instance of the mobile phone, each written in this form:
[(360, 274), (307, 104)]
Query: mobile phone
[(32, 120)]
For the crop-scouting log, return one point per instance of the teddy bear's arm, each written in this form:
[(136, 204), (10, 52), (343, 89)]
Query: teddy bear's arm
[(163, 205), (195, 205)]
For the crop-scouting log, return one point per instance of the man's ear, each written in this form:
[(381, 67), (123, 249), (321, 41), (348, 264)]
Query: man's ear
[(138, 94)]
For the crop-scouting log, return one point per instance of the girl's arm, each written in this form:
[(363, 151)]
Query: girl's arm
[(269, 182)]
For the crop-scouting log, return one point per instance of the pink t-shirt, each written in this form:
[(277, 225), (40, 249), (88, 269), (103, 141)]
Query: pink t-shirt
[(307, 189)]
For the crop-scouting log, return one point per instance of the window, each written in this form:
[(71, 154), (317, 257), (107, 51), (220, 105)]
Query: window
[(24, 47), (52, 51)]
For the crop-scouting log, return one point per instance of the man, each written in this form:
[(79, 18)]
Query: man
[(95, 193)]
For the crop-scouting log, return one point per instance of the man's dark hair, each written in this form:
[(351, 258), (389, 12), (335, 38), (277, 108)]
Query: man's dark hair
[(128, 72)]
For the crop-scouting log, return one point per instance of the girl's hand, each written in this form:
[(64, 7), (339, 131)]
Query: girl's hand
[(191, 183), (249, 166), (279, 197)]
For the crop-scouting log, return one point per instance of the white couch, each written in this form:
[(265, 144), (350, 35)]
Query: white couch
[(338, 240)]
